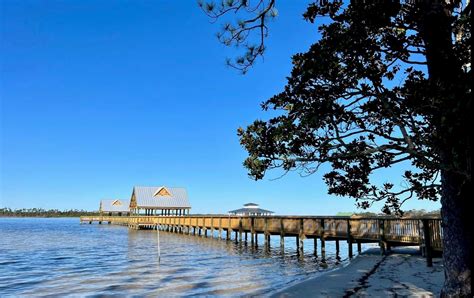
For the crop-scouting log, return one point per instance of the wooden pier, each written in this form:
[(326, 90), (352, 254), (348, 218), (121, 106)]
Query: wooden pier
[(387, 232)]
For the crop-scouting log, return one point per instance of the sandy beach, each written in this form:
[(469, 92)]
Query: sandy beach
[(401, 273)]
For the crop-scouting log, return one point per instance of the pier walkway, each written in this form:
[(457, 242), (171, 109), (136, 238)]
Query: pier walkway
[(387, 232)]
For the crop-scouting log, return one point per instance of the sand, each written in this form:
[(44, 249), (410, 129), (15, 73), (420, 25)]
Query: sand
[(401, 273)]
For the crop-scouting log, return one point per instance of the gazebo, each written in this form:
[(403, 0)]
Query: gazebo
[(159, 200), (114, 207), (251, 209)]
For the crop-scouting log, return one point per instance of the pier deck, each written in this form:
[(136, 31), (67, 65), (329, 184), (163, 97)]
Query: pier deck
[(387, 232)]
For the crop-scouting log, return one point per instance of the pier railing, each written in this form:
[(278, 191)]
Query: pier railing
[(387, 231)]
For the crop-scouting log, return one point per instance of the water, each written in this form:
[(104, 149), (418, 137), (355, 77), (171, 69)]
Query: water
[(41, 256)]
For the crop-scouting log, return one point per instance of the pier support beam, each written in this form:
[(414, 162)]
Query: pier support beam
[(315, 246), (301, 237), (240, 230), (349, 238), (282, 235), (323, 242), (267, 240), (382, 236), (427, 242), (252, 231)]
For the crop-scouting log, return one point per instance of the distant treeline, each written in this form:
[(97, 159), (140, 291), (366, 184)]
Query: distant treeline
[(409, 213), (39, 212)]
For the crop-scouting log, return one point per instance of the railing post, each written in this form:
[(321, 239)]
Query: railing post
[(427, 241)]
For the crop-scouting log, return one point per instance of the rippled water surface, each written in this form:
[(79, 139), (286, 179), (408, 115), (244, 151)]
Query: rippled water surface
[(61, 257)]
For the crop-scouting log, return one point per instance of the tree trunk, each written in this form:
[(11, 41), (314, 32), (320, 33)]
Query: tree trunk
[(453, 142), (457, 235)]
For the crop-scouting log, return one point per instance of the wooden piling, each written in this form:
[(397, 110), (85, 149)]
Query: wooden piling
[(220, 227), (349, 239), (323, 242), (315, 239), (240, 230), (282, 234), (382, 236), (427, 242), (212, 226), (301, 236), (252, 230)]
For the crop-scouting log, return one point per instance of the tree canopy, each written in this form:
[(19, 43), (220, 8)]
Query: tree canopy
[(386, 83), (358, 99)]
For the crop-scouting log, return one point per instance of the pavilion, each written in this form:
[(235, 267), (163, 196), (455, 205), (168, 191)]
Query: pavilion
[(159, 200), (114, 207), (251, 209)]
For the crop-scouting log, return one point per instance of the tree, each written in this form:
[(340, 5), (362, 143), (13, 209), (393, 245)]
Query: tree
[(386, 83)]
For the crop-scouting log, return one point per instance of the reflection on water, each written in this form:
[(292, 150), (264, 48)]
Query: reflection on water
[(61, 257)]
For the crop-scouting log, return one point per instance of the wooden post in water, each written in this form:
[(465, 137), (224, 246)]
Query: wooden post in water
[(220, 227), (282, 234), (323, 242), (212, 227), (240, 230), (315, 246), (252, 231), (265, 233), (158, 239), (301, 236), (337, 248), (349, 238), (427, 242), (359, 247), (382, 236)]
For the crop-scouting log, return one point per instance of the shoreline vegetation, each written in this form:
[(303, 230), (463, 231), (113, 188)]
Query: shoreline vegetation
[(39, 212), (371, 274)]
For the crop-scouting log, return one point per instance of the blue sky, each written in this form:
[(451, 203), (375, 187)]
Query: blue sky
[(99, 96)]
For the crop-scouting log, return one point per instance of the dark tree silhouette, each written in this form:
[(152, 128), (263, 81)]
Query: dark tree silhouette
[(386, 83)]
